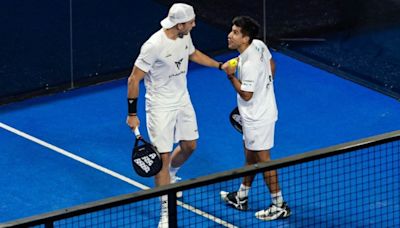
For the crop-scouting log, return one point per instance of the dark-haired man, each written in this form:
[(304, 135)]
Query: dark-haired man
[(258, 110)]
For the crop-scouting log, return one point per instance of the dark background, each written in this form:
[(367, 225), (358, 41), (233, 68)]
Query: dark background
[(54, 45)]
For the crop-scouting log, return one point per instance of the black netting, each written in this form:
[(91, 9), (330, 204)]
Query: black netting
[(55, 45), (358, 39)]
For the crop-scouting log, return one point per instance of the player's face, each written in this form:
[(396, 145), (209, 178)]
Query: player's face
[(236, 38), (186, 27)]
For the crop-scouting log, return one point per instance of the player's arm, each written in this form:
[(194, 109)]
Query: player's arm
[(237, 86), (272, 63), (133, 92), (203, 59), (133, 81)]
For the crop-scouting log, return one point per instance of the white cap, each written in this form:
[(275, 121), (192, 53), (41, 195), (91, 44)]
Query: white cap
[(178, 13)]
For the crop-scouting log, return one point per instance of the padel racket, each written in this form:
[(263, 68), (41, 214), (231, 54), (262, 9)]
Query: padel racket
[(236, 120), (146, 159)]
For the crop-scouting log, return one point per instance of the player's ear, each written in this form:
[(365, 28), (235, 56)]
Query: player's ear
[(179, 26), (246, 39)]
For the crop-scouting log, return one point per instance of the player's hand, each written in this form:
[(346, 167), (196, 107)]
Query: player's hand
[(230, 66), (133, 122)]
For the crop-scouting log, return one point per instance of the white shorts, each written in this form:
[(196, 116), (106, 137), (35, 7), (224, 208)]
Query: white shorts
[(260, 137), (168, 127)]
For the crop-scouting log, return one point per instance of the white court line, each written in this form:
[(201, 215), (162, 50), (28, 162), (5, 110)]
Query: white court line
[(73, 156), (110, 172)]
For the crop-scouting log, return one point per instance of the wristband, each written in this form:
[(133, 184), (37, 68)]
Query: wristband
[(132, 103), (220, 66)]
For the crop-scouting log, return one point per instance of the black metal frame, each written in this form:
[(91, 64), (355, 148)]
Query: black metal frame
[(49, 218)]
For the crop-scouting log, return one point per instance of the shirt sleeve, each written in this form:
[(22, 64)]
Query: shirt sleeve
[(147, 57), (249, 76), (267, 53), (190, 44)]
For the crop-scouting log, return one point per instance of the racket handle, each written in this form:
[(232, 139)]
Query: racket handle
[(137, 132)]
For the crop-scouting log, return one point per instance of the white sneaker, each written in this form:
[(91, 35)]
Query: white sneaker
[(163, 223), (274, 212), (175, 179)]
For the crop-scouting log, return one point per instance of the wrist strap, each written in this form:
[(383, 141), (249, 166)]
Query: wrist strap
[(132, 106), (220, 66)]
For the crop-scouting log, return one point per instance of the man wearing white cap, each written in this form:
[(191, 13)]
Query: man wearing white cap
[(163, 64)]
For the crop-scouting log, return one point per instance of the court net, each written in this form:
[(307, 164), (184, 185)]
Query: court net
[(353, 184)]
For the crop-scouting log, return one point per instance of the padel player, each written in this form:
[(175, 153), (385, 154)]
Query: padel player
[(163, 63), (257, 107)]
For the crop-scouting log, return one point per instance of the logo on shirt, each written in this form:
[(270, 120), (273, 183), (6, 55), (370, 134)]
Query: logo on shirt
[(186, 47), (178, 64), (144, 61)]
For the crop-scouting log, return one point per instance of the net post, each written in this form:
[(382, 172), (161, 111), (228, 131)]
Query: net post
[(172, 213)]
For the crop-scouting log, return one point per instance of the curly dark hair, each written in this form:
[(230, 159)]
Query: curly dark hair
[(249, 27)]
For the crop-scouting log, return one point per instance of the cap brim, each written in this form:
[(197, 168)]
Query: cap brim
[(166, 23)]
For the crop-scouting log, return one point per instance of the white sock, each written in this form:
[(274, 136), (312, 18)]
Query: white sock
[(243, 191), (277, 198), (173, 171), (164, 205)]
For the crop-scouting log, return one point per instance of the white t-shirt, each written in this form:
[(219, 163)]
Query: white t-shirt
[(165, 62), (255, 74)]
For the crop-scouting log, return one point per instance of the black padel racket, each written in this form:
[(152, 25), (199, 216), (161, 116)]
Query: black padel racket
[(236, 120), (146, 159)]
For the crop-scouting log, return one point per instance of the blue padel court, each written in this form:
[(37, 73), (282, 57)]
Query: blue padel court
[(71, 148)]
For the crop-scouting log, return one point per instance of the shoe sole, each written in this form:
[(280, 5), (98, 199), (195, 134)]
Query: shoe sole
[(267, 219)]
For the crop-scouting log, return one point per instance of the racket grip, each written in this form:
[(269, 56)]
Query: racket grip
[(137, 132)]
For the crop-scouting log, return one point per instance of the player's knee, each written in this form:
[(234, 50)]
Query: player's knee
[(264, 156), (190, 146)]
